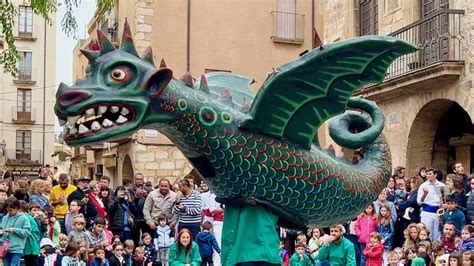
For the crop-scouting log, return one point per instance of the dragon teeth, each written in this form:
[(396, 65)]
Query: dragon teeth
[(107, 123), (62, 122), (125, 111), (90, 112), (72, 119), (121, 120), (83, 129), (114, 109), (81, 120), (102, 109), (95, 126)]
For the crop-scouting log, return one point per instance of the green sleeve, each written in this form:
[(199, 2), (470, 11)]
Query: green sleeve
[(24, 229), (57, 228), (294, 260), (173, 255), (196, 257), (323, 253), (350, 254)]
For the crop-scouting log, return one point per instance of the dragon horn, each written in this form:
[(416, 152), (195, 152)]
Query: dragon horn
[(90, 55), (127, 44), (148, 55), (162, 63), (203, 86), (105, 44)]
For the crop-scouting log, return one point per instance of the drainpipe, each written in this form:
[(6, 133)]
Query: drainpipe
[(312, 24), (188, 39), (44, 93)]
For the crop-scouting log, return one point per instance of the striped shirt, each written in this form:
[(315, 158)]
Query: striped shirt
[(191, 213)]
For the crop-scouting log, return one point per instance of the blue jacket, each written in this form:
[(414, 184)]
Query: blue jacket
[(466, 245), (470, 207), (207, 242), (99, 262), (457, 218)]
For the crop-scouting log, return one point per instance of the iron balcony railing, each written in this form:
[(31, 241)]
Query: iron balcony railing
[(288, 27), (25, 74), (110, 27), (22, 157), (438, 38)]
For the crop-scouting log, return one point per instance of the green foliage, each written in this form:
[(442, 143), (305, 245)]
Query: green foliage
[(46, 9)]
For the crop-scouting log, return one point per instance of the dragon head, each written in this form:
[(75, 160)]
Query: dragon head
[(112, 100)]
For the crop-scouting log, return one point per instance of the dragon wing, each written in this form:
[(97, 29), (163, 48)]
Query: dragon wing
[(299, 96)]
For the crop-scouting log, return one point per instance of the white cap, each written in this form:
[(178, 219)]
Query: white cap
[(46, 242)]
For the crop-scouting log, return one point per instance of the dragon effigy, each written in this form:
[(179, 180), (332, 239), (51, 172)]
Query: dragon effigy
[(259, 153)]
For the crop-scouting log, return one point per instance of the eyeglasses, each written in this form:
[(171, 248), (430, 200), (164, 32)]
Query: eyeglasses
[(119, 249)]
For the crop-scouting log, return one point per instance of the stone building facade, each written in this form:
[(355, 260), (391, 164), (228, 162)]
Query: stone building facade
[(427, 97), (244, 37)]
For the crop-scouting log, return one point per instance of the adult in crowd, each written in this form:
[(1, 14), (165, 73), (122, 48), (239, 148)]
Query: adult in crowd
[(138, 193), (95, 199), (106, 197), (121, 214), (422, 173), (44, 174), (213, 213), (429, 199), (105, 182), (391, 189), (399, 172), (449, 237), (470, 202), (458, 170), (382, 200), (455, 185), (58, 199), (16, 228), (159, 202), (337, 250), (408, 211), (37, 189), (188, 207), (81, 193)]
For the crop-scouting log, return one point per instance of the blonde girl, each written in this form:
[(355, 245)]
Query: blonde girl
[(412, 236), (386, 228)]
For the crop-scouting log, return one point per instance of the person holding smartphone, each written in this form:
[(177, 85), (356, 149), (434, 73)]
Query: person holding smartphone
[(121, 211)]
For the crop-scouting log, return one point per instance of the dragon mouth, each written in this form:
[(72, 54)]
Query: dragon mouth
[(96, 119)]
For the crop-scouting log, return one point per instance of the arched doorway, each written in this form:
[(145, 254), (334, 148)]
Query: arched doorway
[(127, 169), (441, 133)]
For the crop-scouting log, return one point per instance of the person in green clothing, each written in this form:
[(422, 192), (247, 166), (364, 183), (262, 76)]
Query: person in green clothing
[(299, 258), (184, 252), (32, 248), (337, 249), (16, 228)]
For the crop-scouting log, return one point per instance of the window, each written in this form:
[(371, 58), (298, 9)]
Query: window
[(24, 100), (25, 65), (368, 17), (434, 32), (25, 22), (23, 142)]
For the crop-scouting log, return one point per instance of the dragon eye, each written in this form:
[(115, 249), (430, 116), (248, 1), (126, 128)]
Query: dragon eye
[(119, 75)]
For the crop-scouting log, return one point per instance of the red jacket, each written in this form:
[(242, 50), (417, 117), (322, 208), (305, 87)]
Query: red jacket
[(364, 226), (374, 255)]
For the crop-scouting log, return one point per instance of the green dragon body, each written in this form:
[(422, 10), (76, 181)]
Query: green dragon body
[(266, 154)]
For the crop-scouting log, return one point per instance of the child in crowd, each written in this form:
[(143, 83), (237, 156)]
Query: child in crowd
[(117, 259), (401, 255), (32, 249), (467, 258), (148, 247), (453, 214), (207, 244), (425, 247), (285, 257), (392, 258), (108, 234), (455, 259), (467, 242), (140, 258), (374, 250), (82, 245), (63, 241), (54, 228), (38, 215), (400, 192), (48, 254), (71, 255), (365, 225), (412, 257), (424, 234), (164, 240), (300, 258), (99, 258), (78, 232), (74, 208), (386, 228), (128, 246), (438, 251)]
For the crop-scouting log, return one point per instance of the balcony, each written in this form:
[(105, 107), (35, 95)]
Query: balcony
[(288, 27), (23, 117), (438, 60), (110, 27), (25, 76), (22, 157), (28, 34)]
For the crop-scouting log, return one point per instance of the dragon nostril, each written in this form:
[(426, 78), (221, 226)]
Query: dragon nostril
[(69, 98)]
